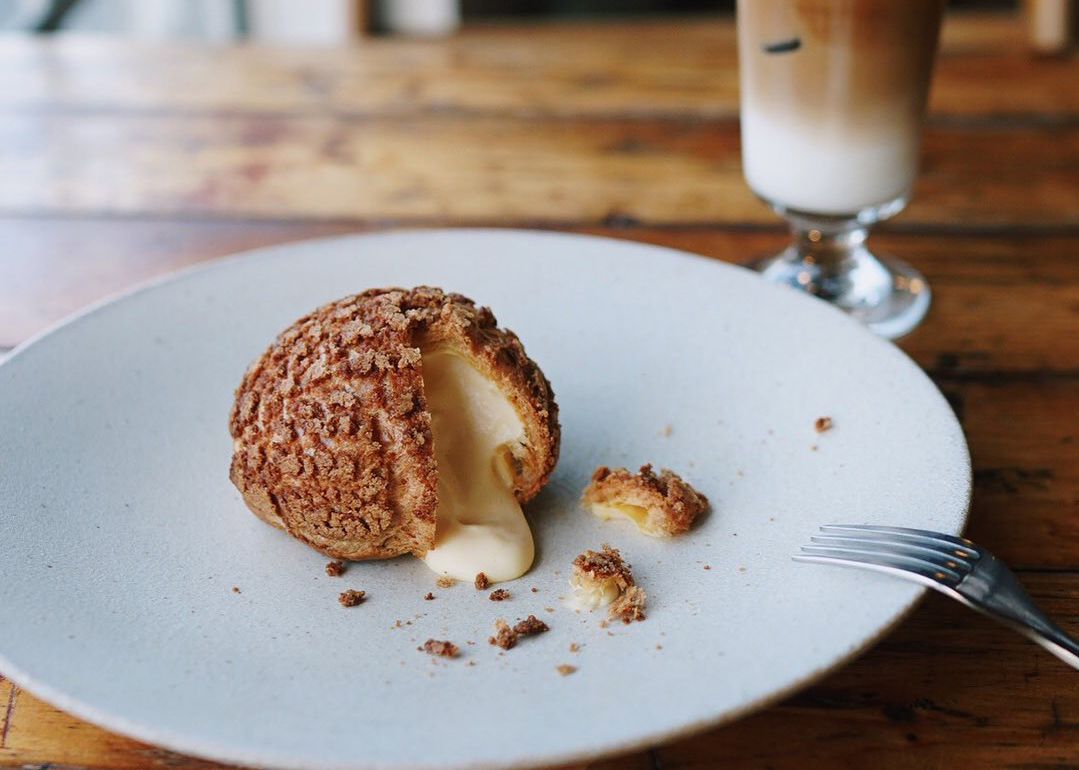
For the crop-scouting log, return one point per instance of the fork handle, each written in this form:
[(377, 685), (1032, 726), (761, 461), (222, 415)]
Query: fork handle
[(995, 591)]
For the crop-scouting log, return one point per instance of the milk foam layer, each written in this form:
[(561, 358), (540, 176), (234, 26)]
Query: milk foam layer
[(815, 169)]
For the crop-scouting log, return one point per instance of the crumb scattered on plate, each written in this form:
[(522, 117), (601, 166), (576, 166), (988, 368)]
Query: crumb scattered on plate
[(565, 670), (445, 581), (506, 637), (441, 648), (482, 582), (603, 579), (598, 577), (660, 505), (429, 597), (335, 568), (351, 598), (574, 647), (499, 594), (822, 424), (530, 626), (236, 589), (629, 606)]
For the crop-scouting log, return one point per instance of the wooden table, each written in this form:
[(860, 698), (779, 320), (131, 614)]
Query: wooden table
[(120, 161)]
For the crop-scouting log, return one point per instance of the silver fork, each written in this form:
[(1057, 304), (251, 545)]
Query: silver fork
[(952, 565)]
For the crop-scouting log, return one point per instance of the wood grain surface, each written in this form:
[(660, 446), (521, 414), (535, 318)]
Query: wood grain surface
[(122, 161)]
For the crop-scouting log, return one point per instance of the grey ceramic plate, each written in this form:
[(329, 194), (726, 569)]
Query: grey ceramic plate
[(122, 537)]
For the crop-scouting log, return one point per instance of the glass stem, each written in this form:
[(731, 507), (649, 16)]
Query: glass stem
[(834, 263)]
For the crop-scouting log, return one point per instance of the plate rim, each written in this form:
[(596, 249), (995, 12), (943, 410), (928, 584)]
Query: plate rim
[(178, 743)]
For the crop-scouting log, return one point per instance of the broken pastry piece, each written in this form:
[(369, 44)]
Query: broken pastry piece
[(660, 506), (601, 578), (398, 421)]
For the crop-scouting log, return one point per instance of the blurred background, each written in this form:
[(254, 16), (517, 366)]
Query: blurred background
[(328, 22)]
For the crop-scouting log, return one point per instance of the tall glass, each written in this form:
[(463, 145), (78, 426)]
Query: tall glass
[(833, 97)]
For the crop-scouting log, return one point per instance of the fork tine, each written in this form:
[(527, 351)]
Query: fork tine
[(959, 546), (896, 561), (941, 556), (925, 579)]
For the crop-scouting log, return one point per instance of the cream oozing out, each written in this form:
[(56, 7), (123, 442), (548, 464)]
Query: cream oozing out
[(480, 525)]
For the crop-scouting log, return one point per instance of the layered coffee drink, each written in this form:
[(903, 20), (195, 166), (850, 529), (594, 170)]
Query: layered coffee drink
[(833, 99)]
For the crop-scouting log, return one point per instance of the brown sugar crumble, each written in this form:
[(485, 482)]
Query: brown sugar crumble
[(822, 424), (499, 594), (482, 582), (565, 670), (335, 568), (504, 636), (530, 626), (602, 565), (351, 598), (442, 649), (660, 505), (429, 597), (607, 566), (629, 606), (445, 581)]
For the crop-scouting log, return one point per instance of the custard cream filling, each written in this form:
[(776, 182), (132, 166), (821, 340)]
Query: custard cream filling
[(590, 593), (480, 526), (638, 514)]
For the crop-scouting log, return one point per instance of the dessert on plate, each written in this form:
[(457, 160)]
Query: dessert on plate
[(398, 421), (660, 505), (603, 579)]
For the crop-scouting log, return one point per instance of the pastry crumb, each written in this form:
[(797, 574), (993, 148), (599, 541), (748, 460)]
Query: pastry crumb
[(565, 670), (440, 648), (822, 424), (482, 582), (504, 636), (499, 594), (535, 590), (351, 598), (603, 578), (335, 568), (661, 505), (574, 647), (530, 626), (429, 597), (629, 606), (236, 589), (598, 577), (445, 581)]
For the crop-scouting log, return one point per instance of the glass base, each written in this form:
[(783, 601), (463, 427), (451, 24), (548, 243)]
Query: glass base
[(885, 294), (827, 258)]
